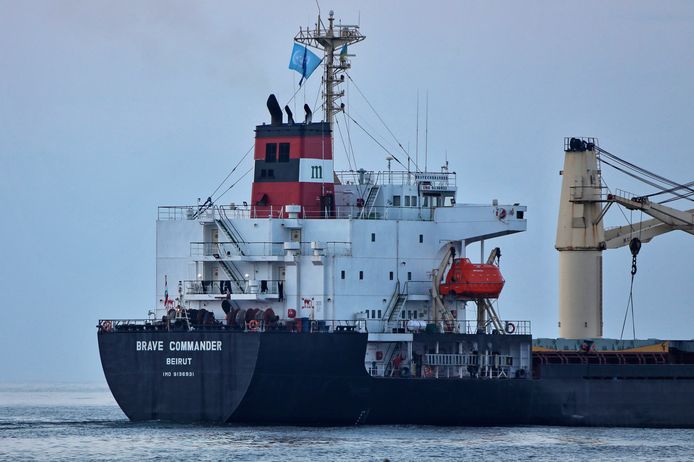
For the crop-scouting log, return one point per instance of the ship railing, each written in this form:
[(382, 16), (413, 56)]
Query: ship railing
[(455, 327), (257, 286), (437, 180), (221, 250), (227, 249), (417, 287), (415, 212), (181, 323), (332, 248)]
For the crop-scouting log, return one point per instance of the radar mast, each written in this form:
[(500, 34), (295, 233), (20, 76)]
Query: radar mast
[(329, 39)]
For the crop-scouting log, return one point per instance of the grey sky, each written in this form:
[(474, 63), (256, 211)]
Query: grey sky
[(108, 109)]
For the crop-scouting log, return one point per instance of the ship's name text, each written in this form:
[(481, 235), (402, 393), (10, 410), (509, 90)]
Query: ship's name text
[(184, 345)]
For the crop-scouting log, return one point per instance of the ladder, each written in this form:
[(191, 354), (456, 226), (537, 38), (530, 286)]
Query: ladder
[(388, 370), (370, 201), (397, 307), (226, 225), (394, 298)]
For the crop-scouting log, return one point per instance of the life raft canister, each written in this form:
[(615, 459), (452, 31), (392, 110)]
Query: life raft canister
[(106, 326)]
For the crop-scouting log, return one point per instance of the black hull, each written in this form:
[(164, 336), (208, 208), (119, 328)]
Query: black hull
[(320, 379)]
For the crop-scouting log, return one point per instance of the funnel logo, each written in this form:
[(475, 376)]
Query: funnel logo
[(316, 172)]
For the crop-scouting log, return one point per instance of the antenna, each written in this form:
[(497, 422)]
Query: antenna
[(331, 39), (416, 149), (426, 135)]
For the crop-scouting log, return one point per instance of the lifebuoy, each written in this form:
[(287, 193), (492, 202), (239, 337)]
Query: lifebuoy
[(314, 326), (510, 328), (106, 326), (501, 214), (253, 325), (428, 371)]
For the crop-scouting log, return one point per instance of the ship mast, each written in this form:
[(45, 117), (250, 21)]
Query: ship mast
[(330, 40)]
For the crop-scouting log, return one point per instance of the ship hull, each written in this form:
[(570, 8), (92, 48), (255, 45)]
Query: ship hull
[(320, 379)]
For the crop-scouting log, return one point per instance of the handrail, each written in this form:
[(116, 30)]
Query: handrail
[(386, 212), (221, 250), (259, 286), (180, 323), (392, 302), (510, 327)]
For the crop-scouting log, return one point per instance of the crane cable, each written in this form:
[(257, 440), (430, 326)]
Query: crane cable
[(642, 174), (634, 246)]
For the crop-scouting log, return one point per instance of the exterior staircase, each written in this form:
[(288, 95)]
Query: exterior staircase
[(367, 211), (227, 227)]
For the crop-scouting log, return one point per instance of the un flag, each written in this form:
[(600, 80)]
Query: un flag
[(304, 61)]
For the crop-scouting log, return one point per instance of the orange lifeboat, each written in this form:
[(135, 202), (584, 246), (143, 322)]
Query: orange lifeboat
[(472, 280)]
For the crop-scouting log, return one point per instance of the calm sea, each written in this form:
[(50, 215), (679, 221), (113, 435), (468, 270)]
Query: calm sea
[(82, 422)]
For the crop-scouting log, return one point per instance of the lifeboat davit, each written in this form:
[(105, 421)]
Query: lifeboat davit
[(472, 280)]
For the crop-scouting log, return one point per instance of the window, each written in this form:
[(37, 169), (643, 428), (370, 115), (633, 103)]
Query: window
[(271, 152), (263, 173), (271, 173), (373, 314), (391, 275), (361, 275), (396, 201), (402, 314), (421, 238), (415, 315), (379, 314), (284, 152), (409, 275), (519, 214), (407, 201), (373, 237), (342, 274), (413, 201)]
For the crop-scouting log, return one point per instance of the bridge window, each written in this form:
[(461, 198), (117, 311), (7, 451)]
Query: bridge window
[(407, 201), (413, 201), (379, 314), (284, 152), (396, 201), (271, 152)]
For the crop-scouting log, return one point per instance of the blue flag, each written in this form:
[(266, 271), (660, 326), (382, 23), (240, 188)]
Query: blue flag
[(304, 61)]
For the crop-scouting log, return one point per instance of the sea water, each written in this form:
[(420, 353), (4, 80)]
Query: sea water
[(82, 422)]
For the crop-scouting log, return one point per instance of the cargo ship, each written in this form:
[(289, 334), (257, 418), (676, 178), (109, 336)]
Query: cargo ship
[(340, 297)]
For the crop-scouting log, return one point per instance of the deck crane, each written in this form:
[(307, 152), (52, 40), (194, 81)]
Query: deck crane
[(581, 237)]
